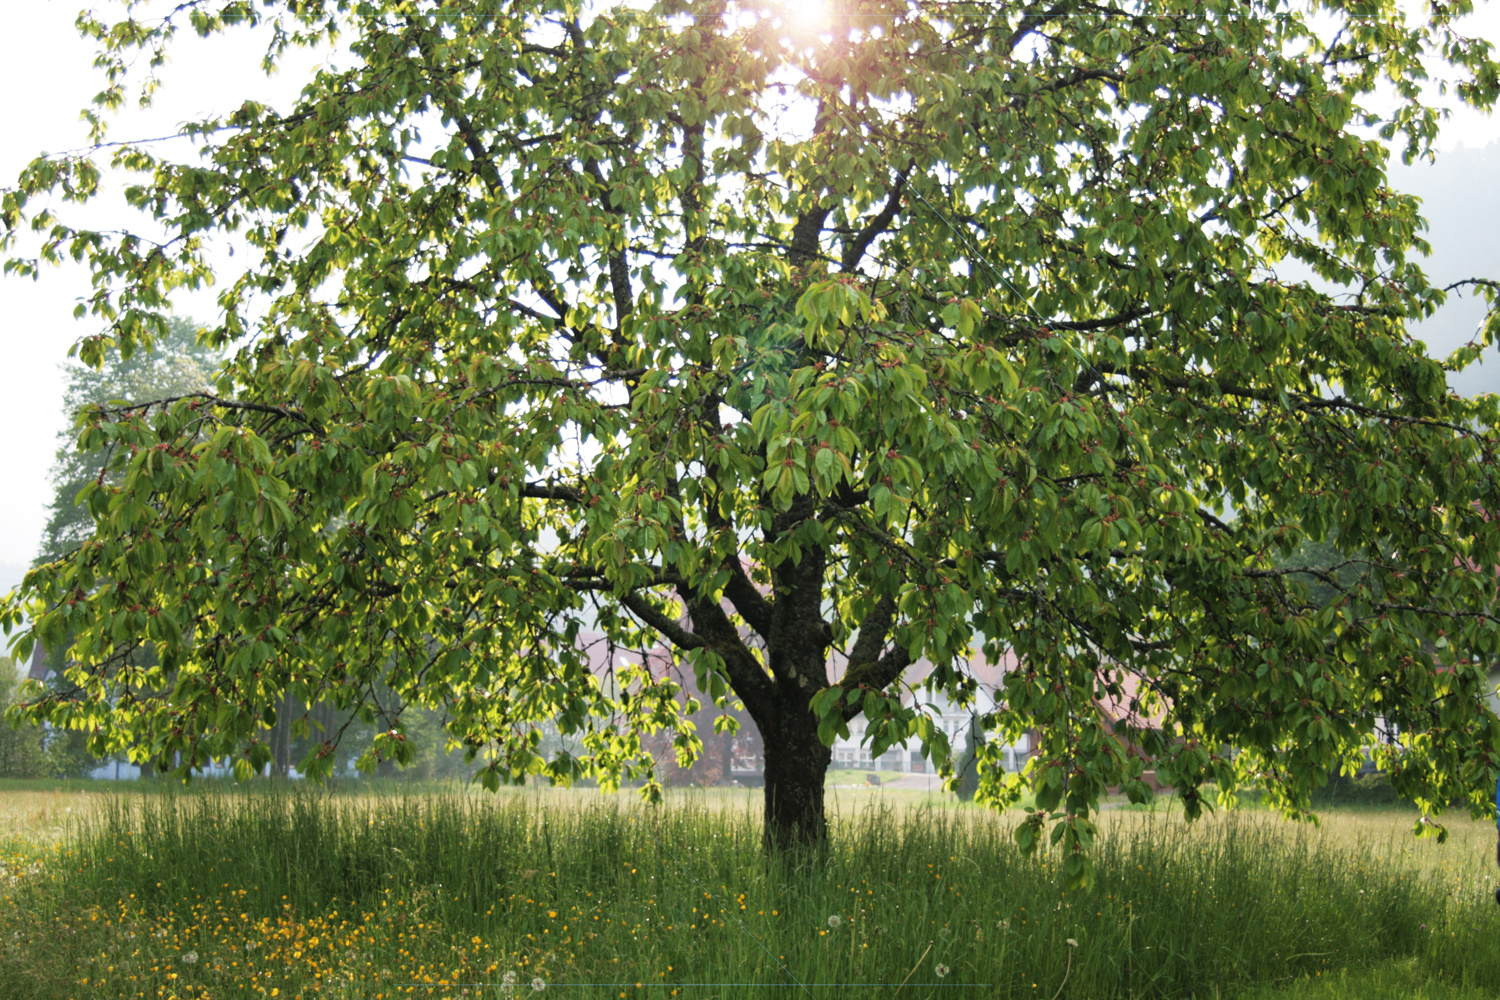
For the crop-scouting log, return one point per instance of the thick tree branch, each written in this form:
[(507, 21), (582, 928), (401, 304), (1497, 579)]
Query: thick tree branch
[(1300, 402), (657, 619), (872, 635), (552, 491), (619, 267), (855, 249), (746, 675), (747, 599), (1031, 22)]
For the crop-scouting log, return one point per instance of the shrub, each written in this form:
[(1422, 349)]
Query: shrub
[(1359, 790)]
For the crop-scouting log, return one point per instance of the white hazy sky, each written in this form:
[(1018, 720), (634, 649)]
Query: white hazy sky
[(48, 73)]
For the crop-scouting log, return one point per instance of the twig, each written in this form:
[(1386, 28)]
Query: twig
[(914, 969), (1066, 969)]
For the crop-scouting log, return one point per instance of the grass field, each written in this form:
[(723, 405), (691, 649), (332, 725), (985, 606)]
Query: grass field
[(452, 894)]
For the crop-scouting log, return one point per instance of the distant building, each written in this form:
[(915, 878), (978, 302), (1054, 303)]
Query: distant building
[(854, 751), (726, 757), (116, 770)]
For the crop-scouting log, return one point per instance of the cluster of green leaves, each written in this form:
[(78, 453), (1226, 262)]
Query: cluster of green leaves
[(567, 326)]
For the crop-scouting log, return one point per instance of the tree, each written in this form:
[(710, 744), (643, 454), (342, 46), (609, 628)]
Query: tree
[(27, 750), (920, 330), (23, 754), (174, 365)]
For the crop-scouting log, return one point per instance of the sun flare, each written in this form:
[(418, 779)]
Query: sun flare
[(807, 18)]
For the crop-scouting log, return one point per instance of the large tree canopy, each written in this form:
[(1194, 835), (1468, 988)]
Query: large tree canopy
[(808, 341)]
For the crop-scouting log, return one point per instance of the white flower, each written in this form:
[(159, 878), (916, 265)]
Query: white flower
[(509, 979), (834, 921), (1072, 942), (190, 957), (941, 971), (537, 985)]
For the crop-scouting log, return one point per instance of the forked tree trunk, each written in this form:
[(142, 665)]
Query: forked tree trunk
[(796, 762)]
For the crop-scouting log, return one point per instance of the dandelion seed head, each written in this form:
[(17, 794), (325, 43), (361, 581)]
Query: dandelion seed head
[(834, 921), (537, 985), (941, 970)]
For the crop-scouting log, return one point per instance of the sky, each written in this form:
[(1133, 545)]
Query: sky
[(48, 72)]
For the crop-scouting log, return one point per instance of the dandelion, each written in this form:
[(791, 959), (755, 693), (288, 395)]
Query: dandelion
[(1005, 925), (190, 957), (1072, 942), (834, 921), (509, 979), (537, 985), (941, 970)]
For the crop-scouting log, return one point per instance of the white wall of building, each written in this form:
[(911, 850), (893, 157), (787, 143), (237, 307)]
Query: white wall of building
[(854, 752)]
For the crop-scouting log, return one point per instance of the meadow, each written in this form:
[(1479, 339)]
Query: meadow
[(297, 893)]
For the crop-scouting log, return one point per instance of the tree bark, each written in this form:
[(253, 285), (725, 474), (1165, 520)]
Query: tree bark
[(796, 762), (281, 740)]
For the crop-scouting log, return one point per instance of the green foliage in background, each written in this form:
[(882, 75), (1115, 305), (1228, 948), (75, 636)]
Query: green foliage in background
[(22, 753), (174, 365), (804, 349), (27, 750), (1372, 789)]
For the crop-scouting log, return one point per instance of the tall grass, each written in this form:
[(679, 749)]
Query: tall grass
[(597, 897)]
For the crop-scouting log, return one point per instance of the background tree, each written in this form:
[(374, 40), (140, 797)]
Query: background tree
[(175, 364), (27, 749), (809, 351), (23, 754)]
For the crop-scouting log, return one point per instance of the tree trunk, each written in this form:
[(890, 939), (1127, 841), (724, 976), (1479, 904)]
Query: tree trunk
[(968, 763), (796, 762), (281, 740)]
